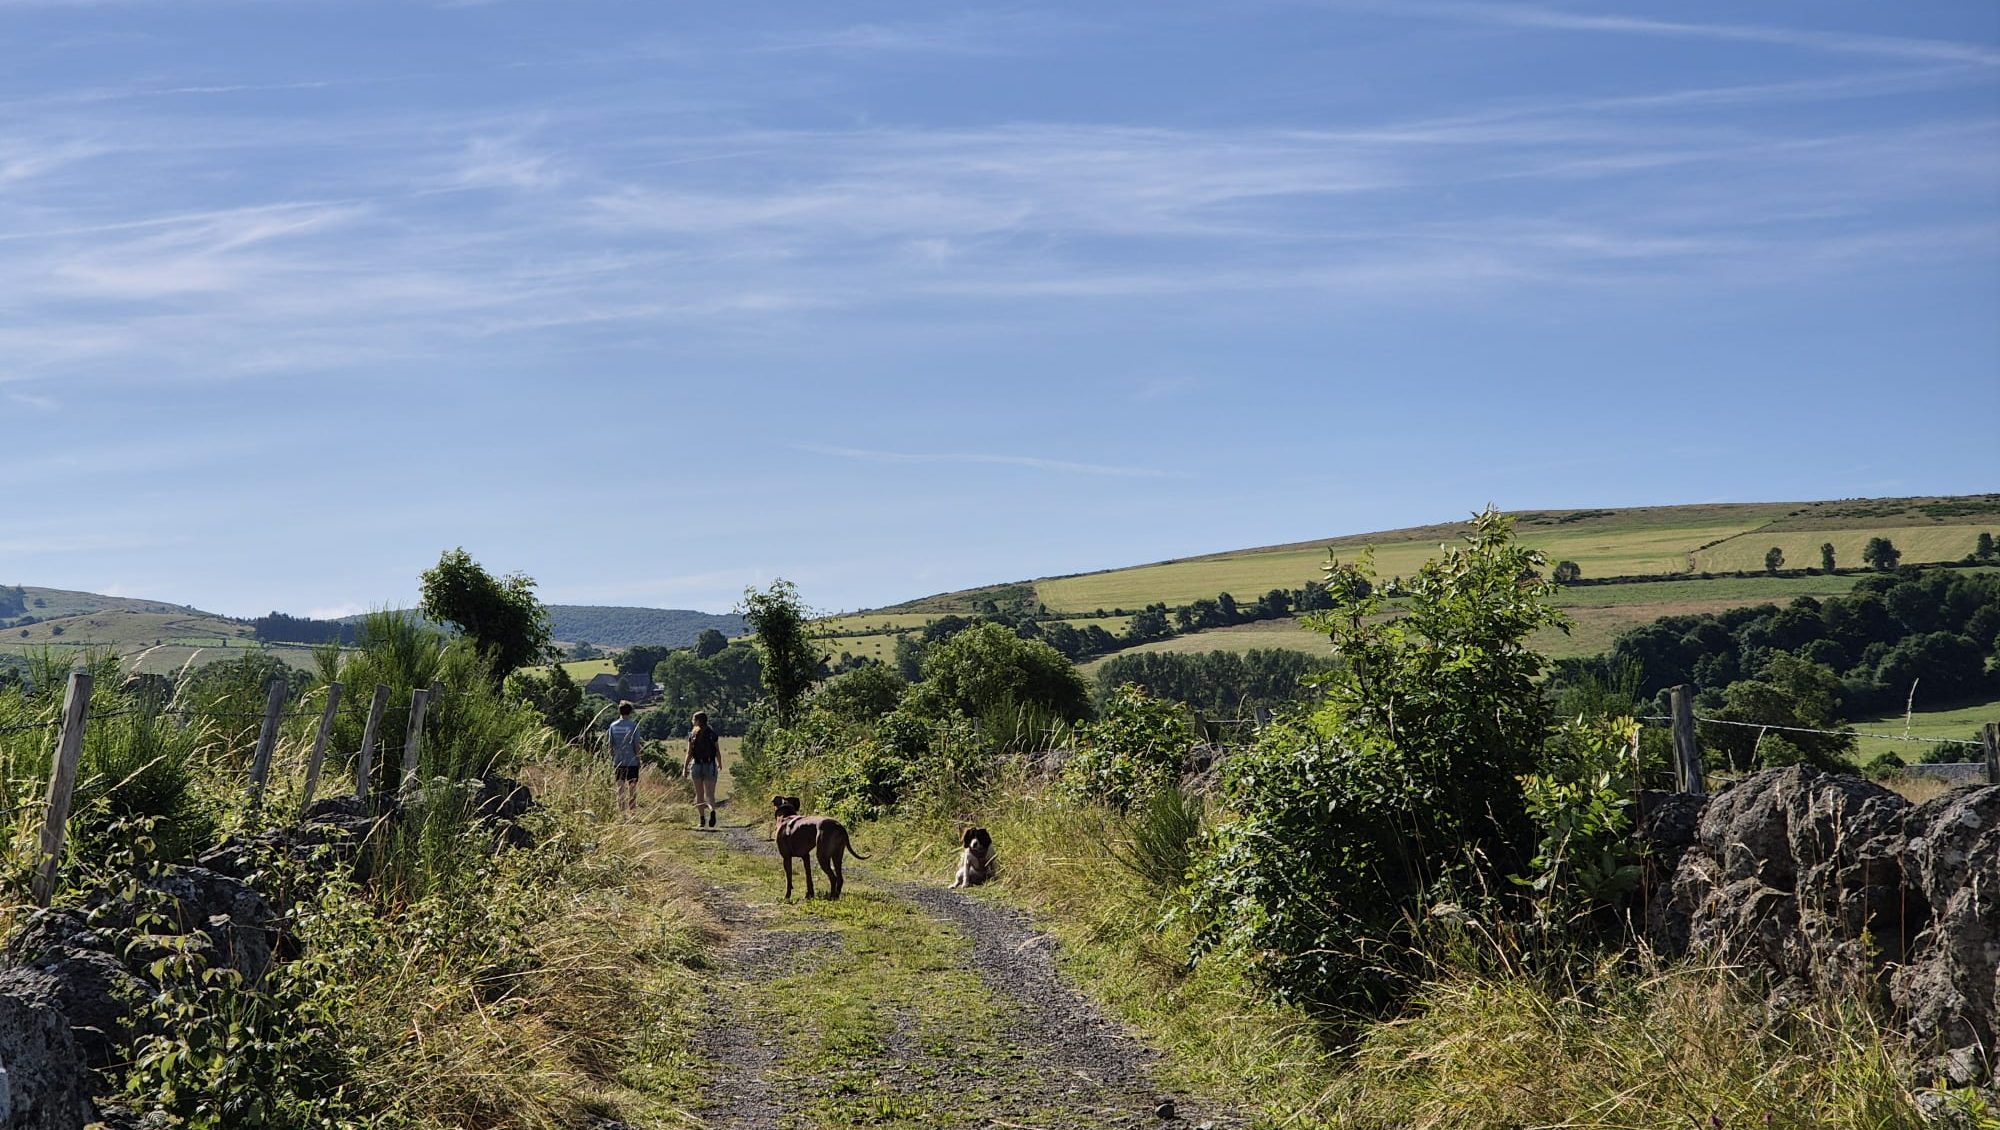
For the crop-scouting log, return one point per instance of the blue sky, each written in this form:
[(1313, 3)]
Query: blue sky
[(654, 301)]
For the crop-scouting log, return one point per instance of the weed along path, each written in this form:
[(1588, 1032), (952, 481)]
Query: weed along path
[(901, 1005)]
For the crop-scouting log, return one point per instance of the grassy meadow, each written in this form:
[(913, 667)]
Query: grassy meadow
[(1674, 544), (1960, 723), (152, 638), (1918, 543)]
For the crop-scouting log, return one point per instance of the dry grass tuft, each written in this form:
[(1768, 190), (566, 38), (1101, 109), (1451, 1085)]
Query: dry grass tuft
[(527, 1007)]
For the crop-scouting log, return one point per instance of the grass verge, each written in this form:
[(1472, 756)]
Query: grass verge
[(1485, 1044)]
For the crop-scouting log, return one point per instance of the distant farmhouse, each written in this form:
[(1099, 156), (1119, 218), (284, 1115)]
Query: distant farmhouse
[(638, 689)]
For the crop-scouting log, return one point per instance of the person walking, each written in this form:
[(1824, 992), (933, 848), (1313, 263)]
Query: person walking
[(624, 735), (704, 768)]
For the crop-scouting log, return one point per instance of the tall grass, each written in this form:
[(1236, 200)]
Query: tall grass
[(137, 762), (1503, 1032), (1619, 1046), (471, 730), (523, 1001)]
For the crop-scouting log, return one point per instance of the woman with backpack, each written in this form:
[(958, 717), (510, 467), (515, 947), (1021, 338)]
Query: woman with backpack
[(704, 768)]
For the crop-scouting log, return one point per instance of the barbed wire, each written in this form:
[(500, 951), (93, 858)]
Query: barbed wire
[(1810, 730), (25, 728)]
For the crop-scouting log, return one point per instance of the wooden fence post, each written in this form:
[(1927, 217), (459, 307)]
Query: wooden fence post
[(413, 741), (366, 765), (1990, 737), (62, 783), (319, 743), (1687, 756), (267, 737)]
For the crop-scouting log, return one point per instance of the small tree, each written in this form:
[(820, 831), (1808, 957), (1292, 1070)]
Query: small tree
[(709, 642), (1568, 572), (500, 615), (791, 660), (988, 671), (1826, 556), (1984, 551), (1774, 559), (1881, 554)]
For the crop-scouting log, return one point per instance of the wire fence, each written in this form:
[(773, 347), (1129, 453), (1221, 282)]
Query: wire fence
[(381, 754), (1853, 733)]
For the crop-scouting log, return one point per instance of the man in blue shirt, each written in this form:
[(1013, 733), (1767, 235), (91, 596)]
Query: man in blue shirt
[(624, 734)]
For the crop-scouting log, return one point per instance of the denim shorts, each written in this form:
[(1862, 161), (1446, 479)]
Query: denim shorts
[(704, 771)]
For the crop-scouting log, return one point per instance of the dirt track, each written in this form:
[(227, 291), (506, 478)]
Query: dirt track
[(921, 1006)]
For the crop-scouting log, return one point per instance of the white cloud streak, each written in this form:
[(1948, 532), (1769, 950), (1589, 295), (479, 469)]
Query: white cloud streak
[(1537, 18), (1030, 462)]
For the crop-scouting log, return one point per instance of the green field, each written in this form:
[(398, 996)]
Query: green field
[(1601, 553), (1959, 723), (151, 636), (1649, 541), (876, 622), (584, 670), (1918, 543), (1672, 543)]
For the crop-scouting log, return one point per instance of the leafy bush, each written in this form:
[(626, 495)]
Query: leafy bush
[(989, 673), (861, 695), (1402, 784), (1884, 766), (1133, 750), (1579, 801), (217, 1052), (862, 780)]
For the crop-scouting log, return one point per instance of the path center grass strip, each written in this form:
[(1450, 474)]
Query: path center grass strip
[(883, 1021)]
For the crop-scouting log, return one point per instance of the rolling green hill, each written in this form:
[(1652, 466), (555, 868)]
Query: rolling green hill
[(158, 637), (152, 636), (1677, 559)]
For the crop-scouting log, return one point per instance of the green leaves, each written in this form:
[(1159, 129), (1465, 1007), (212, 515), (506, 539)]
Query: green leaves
[(1134, 750), (1402, 783)]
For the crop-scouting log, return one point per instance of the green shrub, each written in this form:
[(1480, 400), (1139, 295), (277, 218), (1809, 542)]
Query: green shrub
[(861, 695), (1401, 785), (216, 1052), (1884, 766), (989, 673), (1133, 750), (861, 780), (1579, 799)]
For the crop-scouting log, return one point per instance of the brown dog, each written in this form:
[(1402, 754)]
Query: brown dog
[(806, 836), (975, 858)]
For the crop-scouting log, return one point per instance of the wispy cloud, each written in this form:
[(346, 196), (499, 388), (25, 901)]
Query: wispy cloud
[(34, 400), (1557, 19), (1057, 466)]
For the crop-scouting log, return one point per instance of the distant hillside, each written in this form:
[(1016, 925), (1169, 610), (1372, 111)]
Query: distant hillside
[(150, 635), (1681, 559), (155, 636), (616, 626)]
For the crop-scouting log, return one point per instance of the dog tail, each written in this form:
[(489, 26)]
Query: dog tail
[(852, 852)]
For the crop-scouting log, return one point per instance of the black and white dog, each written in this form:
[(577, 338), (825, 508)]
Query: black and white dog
[(975, 858)]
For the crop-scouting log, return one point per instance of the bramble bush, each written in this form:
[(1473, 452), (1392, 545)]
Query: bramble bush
[(1133, 750)]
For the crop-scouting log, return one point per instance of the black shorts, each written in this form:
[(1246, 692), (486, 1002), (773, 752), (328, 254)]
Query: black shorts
[(625, 772)]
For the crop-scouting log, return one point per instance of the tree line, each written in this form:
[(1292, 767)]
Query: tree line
[(280, 628), (1813, 663)]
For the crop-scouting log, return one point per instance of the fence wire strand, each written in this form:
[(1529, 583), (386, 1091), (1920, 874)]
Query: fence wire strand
[(1666, 720)]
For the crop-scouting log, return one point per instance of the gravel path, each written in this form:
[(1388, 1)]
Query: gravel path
[(742, 1045), (1064, 1053)]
